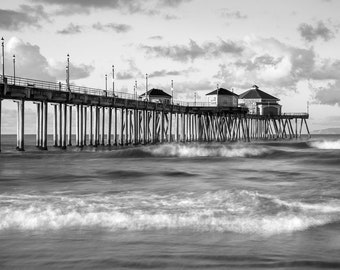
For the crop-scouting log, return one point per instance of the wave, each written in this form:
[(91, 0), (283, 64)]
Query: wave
[(326, 144), (221, 211), (194, 150)]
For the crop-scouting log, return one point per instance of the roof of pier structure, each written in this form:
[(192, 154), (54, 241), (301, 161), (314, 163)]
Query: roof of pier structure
[(156, 92), (222, 91), (256, 93)]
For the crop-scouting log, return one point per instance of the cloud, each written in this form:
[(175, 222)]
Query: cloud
[(310, 33), (80, 71), (118, 28), (29, 55), (24, 16), (269, 63), (156, 37), (132, 72), (163, 72), (169, 17), (229, 14), (68, 7), (329, 95), (184, 53), (71, 29), (328, 69), (172, 3)]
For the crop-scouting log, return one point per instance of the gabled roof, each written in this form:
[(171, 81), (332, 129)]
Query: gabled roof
[(156, 92), (256, 93), (222, 91)]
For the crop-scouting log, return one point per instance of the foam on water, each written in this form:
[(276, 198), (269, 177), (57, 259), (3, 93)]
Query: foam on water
[(206, 150), (325, 144), (221, 211)]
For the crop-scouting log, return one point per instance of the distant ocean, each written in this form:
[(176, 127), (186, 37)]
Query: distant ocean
[(265, 204)]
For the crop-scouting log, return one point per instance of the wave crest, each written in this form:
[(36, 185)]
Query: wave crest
[(328, 145), (221, 211), (206, 150)]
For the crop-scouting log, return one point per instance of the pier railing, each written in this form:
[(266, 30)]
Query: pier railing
[(58, 86)]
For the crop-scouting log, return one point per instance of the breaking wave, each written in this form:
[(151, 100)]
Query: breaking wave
[(221, 211), (329, 145), (195, 150)]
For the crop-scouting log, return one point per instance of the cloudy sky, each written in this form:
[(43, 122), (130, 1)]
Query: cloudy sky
[(289, 48)]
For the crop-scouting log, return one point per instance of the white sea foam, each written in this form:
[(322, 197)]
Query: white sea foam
[(200, 150), (222, 211), (326, 144)]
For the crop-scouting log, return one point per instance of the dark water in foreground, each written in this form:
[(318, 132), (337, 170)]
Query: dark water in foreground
[(198, 206)]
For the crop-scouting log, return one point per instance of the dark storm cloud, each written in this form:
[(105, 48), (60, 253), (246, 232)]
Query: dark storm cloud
[(24, 16), (118, 28), (184, 53), (311, 33), (71, 29)]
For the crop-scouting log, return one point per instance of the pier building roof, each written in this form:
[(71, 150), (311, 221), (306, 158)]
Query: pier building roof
[(156, 92), (256, 93), (222, 91)]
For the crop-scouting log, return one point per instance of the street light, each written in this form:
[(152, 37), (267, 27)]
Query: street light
[(113, 79), (172, 91), (135, 89), (68, 73), (3, 58), (13, 68), (146, 86), (106, 85)]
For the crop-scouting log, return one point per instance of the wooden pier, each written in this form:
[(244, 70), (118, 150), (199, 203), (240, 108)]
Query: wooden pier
[(112, 118)]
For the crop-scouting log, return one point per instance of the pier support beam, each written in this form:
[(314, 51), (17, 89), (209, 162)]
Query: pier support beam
[(77, 126), (91, 126), (37, 125), (0, 121), (103, 127), (109, 128), (70, 126), (64, 126), (20, 125), (44, 146), (85, 126), (60, 124)]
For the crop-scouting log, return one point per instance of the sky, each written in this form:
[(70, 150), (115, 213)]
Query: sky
[(289, 48)]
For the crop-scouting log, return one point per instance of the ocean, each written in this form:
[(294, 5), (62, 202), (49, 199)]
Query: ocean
[(265, 204)]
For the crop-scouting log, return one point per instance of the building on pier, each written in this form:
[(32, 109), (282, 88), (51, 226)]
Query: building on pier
[(223, 98), (157, 95), (259, 102)]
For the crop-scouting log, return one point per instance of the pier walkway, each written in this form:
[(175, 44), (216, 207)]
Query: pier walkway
[(114, 118)]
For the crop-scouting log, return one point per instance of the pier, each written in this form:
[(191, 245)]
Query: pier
[(110, 118)]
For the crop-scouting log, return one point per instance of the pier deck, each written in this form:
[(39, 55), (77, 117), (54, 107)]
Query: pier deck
[(133, 121)]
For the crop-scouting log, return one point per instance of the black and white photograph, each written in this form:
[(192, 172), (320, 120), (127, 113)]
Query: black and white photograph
[(169, 134)]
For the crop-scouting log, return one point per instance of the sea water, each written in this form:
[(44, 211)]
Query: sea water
[(265, 204)]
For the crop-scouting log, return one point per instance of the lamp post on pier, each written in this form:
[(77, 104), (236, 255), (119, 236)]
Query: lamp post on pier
[(13, 68), (3, 57), (172, 92), (106, 85), (113, 80), (135, 90), (68, 73), (146, 86)]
